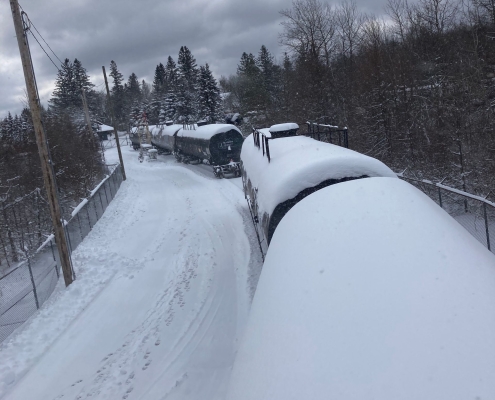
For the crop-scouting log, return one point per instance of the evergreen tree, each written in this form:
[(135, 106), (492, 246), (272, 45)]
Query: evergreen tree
[(171, 71), (159, 88), (160, 80), (81, 78), (64, 94), (133, 98), (71, 78), (118, 93), (210, 103), (247, 65), (269, 78), (186, 92)]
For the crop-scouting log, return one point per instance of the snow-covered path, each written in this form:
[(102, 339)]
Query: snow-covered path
[(163, 287)]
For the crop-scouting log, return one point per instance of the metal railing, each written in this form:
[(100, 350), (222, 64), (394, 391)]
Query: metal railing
[(26, 286), (328, 134), (475, 213)]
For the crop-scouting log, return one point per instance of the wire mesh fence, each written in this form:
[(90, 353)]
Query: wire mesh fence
[(111, 142), (28, 283), (475, 213)]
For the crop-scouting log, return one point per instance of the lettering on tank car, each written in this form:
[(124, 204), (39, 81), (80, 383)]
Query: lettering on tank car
[(226, 144)]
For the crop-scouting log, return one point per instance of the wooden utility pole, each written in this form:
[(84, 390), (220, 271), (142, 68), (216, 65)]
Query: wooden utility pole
[(114, 124), (46, 162), (86, 114)]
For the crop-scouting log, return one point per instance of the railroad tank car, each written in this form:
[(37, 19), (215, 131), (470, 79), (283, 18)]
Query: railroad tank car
[(370, 291), (164, 138), (158, 137), (216, 144), (280, 168)]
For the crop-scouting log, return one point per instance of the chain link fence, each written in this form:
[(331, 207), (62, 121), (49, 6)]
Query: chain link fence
[(28, 283), (475, 213), (111, 142)]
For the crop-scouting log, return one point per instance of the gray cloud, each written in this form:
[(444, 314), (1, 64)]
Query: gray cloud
[(138, 35)]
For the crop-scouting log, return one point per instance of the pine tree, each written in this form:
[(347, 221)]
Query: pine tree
[(247, 65), (133, 97), (63, 95), (171, 71), (210, 103), (186, 92), (159, 88), (249, 86), (118, 93), (81, 78), (160, 80)]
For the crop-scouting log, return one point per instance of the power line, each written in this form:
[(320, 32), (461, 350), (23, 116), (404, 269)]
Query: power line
[(43, 49), (31, 22), (28, 28)]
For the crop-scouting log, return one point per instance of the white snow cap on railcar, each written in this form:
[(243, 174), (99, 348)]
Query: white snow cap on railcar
[(171, 130), (206, 132), (154, 129), (370, 290), (298, 163)]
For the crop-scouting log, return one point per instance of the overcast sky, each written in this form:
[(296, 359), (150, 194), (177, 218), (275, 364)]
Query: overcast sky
[(138, 35)]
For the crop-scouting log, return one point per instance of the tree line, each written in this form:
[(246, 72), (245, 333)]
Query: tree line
[(416, 89), (77, 162), (181, 92)]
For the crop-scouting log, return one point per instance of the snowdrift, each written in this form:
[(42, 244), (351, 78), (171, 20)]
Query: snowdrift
[(388, 298)]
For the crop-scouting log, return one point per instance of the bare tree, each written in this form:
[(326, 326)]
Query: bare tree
[(309, 29)]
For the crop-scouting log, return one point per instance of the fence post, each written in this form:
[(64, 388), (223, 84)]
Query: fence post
[(32, 282), (486, 227), (110, 187), (86, 206), (105, 189), (101, 201), (53, 252), (440, 197), (67, 235), (94, 205), (80, 229)]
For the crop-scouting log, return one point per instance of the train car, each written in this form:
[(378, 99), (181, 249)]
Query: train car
[(370, 290), (164, 137), (216, 144), (280, 168)]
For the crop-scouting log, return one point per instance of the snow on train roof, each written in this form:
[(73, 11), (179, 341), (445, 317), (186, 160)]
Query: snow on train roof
[(299, 162), (370, 290), (284, 127), (161, 129), (207, 131)]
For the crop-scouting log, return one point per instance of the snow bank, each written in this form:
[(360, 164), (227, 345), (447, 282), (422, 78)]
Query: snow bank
[(298, 163), (206, 132), (370, 291)]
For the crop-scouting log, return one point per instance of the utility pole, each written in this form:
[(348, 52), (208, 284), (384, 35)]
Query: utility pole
[(114, 124), (46, 162), (86, 114)]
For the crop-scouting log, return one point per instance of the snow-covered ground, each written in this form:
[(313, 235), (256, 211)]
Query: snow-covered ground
[(163, 292)]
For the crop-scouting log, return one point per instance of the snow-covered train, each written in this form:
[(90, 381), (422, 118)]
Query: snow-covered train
[(216, 144), (280, 168)]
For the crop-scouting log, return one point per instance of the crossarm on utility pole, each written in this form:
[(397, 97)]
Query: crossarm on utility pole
[(43, 150)]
